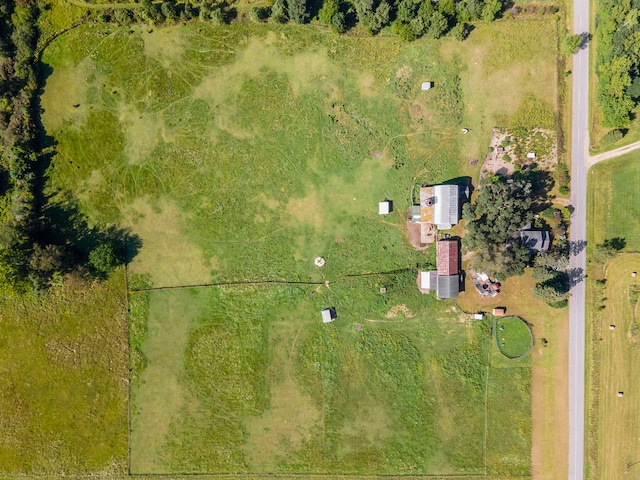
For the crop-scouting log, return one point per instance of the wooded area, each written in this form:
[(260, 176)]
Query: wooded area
[(618, 60), (408, 19), (41, 238)]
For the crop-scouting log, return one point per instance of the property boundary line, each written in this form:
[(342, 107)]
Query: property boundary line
[(208, 476), (126, 299), (225, 284), (486, 408)]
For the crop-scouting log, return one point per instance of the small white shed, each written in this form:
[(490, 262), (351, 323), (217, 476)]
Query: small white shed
[(328, 315), (531, 155), (384, 208), (427, 85)]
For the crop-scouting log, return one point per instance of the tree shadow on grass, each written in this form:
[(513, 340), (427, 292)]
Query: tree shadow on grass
[(63, 239), (63, 226)]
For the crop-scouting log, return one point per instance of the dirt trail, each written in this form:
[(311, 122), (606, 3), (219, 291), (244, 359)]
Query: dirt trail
[(593, 159)]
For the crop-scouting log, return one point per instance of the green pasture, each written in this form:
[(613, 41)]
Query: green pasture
[(512, 336), (614, 200), (64, 369), (241, 153), (248, 379)]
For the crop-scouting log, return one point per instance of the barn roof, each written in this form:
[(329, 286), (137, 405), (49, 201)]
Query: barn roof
[(446, 206), (447, 257)]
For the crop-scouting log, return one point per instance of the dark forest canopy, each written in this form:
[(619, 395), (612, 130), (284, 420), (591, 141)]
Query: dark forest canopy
[(40, 239), (408, 19), (618, 60)]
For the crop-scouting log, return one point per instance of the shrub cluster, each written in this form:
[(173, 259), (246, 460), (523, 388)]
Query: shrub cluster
[(618, 60), (39, 241), (408, 19)]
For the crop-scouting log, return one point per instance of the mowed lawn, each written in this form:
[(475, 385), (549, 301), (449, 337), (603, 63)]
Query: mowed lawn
[(614, 201), (616, 440), (260, 385), (614, 206), (241, 153), (513, 337)]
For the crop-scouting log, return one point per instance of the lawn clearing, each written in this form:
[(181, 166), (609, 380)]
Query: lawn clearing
[(241, 153), (615, 425), (513, 337), (549, 382), (260, 385), (63, 397), (614, 201)]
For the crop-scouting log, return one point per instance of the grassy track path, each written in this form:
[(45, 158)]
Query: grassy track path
[(95, 6)]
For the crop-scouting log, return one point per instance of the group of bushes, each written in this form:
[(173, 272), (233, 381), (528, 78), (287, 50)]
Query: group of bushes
[(408, 19), (38, 241), (618, 60)]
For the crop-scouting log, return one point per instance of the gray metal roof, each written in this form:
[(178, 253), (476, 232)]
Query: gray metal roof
[(428, 280), (535, 240), (446, 208), (448, 286), (415, 214)]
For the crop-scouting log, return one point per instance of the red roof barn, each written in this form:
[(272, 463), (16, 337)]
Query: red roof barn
[(447, 259)]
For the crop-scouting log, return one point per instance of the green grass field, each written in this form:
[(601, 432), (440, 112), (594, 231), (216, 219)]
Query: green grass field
[(254, 382), (614, 426), (513, 337), (239, 154), (614, 201), (63, 396), (614, 206)]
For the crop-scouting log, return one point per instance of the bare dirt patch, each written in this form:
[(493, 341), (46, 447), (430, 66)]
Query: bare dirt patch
[(65, 102), (165, 45), (507, 151), (290, 419), (399, 309), (414, 236), (142, 132), (161, 394), (366, 85)]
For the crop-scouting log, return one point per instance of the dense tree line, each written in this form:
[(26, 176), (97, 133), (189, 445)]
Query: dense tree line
[(501, 209), (618, 60), (409, 19), (39, 241)]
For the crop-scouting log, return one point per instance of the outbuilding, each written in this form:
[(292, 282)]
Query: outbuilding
[(385, 208), (328, 315)]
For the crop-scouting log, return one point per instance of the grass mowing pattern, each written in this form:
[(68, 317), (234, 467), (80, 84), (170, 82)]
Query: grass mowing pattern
[(513, 337), (264, 386), (305, 119), (241, 153)]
